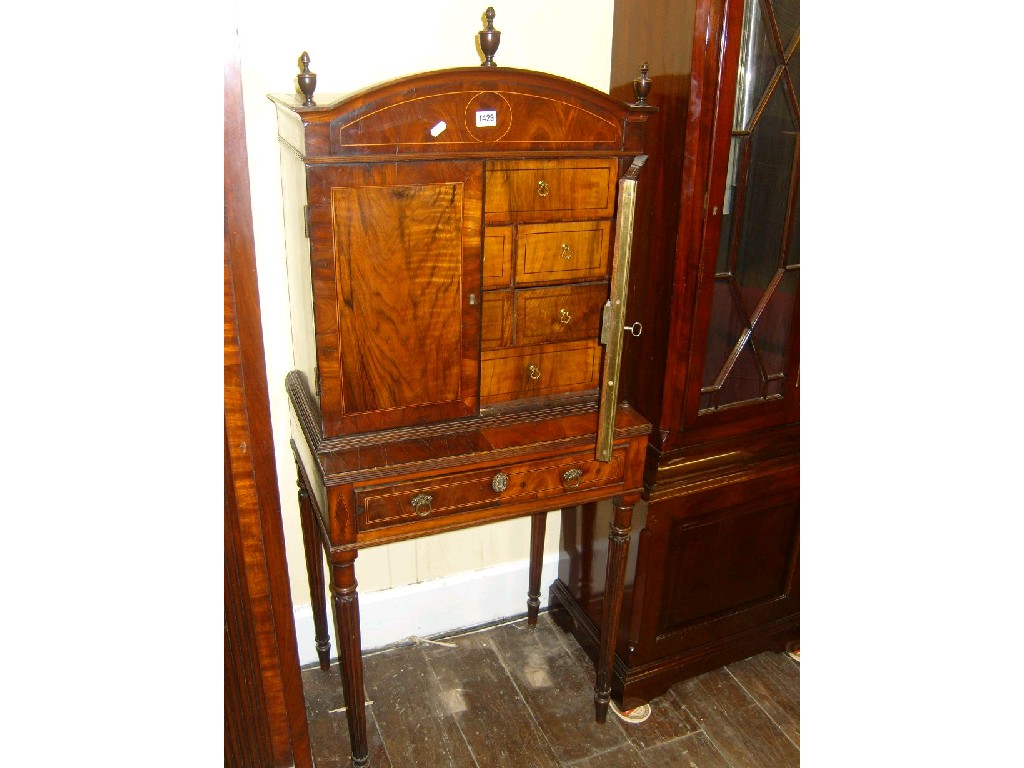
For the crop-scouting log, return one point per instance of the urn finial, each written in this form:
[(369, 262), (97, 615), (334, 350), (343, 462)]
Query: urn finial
[(307, 80), (489, 39), (642, 86)]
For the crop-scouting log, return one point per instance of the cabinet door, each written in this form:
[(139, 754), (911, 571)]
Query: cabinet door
[(396, 259), (744, 346)]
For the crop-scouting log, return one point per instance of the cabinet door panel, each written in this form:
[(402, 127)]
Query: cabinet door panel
[(405, 248)]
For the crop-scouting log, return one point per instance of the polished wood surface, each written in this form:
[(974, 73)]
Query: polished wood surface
[(264, 717), (434, 404)]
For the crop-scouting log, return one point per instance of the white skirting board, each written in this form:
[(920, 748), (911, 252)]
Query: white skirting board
[(434, 607)]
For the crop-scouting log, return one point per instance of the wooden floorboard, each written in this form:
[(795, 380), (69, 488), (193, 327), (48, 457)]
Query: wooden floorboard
[(521, 696), (735, 723), (773, 681)]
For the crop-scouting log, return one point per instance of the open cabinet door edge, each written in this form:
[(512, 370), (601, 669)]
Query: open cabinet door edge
[(614, 318)]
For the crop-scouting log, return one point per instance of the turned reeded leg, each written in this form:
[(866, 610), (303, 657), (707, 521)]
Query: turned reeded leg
[(537, 524), (350, 658), (315, 574), (618, 550)]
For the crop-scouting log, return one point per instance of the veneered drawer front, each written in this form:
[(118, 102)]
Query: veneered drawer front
[(545, 369), (537, 190), (565, 313), (564, 252), (410, 501), (497, 268), (496, 320)]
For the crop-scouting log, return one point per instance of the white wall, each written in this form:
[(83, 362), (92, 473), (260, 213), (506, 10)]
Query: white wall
[(351, 46)]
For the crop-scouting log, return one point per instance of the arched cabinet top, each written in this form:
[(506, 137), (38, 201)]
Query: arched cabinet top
[(462, 112)]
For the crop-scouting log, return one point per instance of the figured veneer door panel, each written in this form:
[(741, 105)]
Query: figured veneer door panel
[(405, 243)]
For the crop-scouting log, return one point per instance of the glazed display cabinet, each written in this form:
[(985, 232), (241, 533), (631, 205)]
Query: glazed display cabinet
[(713, 575)]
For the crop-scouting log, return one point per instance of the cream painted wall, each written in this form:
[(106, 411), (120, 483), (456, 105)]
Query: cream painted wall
[(351, 46)]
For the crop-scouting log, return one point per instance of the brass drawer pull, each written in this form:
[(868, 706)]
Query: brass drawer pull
[(534, 372), (566, 251), (421, 503), (500, 482), (571, 478), (543, 189), (564, 317)]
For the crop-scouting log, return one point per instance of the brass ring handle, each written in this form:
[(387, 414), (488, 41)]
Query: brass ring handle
[(534, 372), (543, 189), (566, 251), (421, 504), (571, 478), (500, 482), (564, 317)]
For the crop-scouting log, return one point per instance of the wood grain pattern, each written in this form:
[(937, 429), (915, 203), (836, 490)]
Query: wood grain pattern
[(537, 190), (497, 323), (373, 230), (260, 620), (479, 694), (773, 681), (410, 709), (564, 313), (473, 490), (553, 687), (399, 255), (505, 374), (741, 730), (497, 267), (562, 252)]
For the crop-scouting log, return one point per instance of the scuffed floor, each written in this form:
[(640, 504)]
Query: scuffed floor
[(513, 696)]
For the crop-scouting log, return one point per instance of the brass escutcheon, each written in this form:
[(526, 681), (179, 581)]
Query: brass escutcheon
[(534, 372), (421, 504), (566, 251), (564, 317), (571, 478), (543, 189), (500, 482)]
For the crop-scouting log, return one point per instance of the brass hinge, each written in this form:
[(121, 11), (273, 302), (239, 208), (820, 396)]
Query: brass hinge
[(305, 216)]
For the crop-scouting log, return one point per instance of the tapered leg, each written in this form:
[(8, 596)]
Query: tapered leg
[(537, 524), (350, 658), (618, 550), (315, 574)]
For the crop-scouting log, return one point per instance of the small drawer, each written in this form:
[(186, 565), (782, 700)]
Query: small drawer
[(565, 313), (545, 369), (497, 267), (397, 503), (496, 320), (540, 190), (575, 251)]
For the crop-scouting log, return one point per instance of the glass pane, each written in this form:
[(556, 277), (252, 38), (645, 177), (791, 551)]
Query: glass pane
[(794, 72), (764, 198), (787, 18), (727, 325), (771, 331), (754, 299), (758, 60), (744, 381)]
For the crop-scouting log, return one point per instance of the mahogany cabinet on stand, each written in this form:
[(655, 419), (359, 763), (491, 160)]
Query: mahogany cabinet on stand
[(713, 574), (458, 246)]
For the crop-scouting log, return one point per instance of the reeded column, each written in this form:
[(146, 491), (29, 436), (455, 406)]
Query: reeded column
[(350, 658), (315, 574), (538, 522), (618, 551)]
